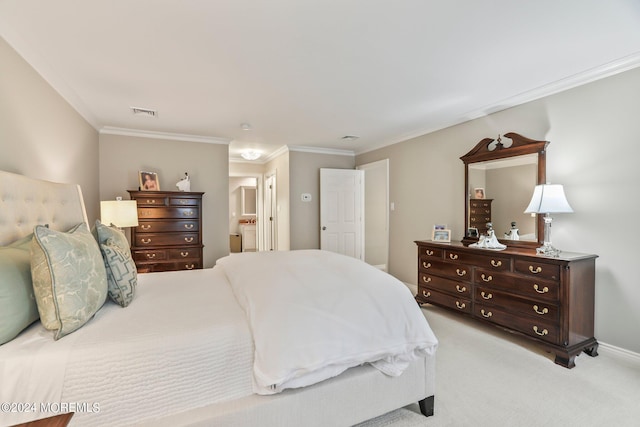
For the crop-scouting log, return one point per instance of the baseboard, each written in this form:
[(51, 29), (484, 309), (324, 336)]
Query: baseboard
[(619, 352), (382, 267)]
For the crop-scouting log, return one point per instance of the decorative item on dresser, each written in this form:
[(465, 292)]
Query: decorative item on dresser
[(547, 299), (169, 234)]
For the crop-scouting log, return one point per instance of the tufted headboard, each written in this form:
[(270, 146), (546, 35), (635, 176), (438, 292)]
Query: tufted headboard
[(27, 202)]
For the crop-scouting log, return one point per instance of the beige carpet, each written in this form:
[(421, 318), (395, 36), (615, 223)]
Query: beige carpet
[(488, 377)]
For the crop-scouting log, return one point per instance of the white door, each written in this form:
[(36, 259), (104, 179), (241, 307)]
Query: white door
[(341, 211)]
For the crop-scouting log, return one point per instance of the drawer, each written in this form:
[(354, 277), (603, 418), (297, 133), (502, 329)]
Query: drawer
[(424, 252), (167, 226), (183, 201), (445, 285), (479, 211), (432, 296), (538, 269), (455, 271), (479, 204), (528, 287), (479, 219), (183, 254), (167, 239), (538, 328), (150, 255), (497, 262), (542, 309), (168, 212), (152, 201), (169, 266)]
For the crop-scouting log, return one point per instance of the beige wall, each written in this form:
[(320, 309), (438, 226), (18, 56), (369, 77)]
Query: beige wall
[(305, 178), (594, 152), (41, 135), (122, 157)]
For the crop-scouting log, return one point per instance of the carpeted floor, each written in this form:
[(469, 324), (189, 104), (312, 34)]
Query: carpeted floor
[(488, 377)]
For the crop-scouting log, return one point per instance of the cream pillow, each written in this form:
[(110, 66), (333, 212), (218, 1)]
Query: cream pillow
[(69, 278)]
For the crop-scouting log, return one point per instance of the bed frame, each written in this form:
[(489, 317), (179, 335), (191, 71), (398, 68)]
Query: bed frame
[(357, 395)]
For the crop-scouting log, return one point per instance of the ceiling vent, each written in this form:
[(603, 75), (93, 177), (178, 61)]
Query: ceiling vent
[(144, 112)]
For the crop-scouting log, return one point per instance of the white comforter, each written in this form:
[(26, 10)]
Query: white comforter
[(314, 314)]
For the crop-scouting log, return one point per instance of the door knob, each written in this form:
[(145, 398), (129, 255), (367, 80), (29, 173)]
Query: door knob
[(324, 228)]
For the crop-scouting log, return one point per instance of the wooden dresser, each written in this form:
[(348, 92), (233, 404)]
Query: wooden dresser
[(169, 232), (480, 214), (549, 300)]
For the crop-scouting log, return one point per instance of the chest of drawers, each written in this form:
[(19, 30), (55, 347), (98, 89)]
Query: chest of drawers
[(480, 214), (549, 300), (169, 232)]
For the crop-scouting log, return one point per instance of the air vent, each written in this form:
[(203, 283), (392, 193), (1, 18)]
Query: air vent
[(144, 112)]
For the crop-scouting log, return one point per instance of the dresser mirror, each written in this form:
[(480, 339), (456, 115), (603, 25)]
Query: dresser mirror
[(500, 175)]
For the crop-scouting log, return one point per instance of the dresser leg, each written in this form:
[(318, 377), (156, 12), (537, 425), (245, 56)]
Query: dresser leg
[(566, 360), (592, 350)]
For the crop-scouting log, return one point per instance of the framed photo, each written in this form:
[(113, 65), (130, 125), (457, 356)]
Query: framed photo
[(441, 235), (149, 181), (440, 227), (472, 232), (478, 193)]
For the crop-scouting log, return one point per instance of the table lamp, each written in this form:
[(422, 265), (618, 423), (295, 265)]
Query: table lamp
[(548, 199), (119, 213)]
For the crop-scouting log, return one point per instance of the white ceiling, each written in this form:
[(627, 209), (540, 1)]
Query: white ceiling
[(306, 73)]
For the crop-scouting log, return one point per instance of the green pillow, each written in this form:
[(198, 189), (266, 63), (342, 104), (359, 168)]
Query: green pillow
[(69, 278), (18, 307), (122, 275)]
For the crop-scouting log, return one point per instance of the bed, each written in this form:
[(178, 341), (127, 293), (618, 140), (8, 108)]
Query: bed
[(204, 347)]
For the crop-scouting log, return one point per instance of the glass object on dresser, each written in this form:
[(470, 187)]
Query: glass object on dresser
[(507, 171)]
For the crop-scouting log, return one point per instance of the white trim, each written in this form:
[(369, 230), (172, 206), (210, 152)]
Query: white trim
[(319, 150), (603, 71), (618, 352), (109, 130)]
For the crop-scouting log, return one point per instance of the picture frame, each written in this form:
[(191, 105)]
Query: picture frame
[(441, 236), (473, 232), (440, 226), (478, 193), (149, 181)]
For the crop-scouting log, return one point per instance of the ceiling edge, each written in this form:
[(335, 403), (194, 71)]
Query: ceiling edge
[(607, 70), (320, 150), (109, 130)]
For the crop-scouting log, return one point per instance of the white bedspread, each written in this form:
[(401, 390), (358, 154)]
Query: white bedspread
[(314, 314)]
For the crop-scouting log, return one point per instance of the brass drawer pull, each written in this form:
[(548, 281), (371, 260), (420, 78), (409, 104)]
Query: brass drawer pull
[(189, 213), (541, 333), (426, 279), (151, 202), (184, 254), (145, 241), (540, 291), (486, 296), (453, 256), (151, 256), (426, 264), (486, 278), (183, 202), (461, 273), (487, 314), (146, 226), (428, 252), (544, 311), (188, 239), (189, 266), (188, 226), (461, 289), (460, 305), (426, 294), (536, 270), (496, 263), (473, 219)]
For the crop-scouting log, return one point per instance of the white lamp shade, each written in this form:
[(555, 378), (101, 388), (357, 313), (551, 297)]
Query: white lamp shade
[(548, 198), (121, 213)]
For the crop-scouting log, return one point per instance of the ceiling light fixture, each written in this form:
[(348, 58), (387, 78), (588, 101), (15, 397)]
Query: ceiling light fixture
[(245, 126), (250, 154)]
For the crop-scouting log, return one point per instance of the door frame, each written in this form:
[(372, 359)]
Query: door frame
[(259, 204), (380, 164)]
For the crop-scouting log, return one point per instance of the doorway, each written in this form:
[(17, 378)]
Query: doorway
[(244, 213)]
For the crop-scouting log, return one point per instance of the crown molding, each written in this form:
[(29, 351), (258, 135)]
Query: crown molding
[(109, 130), (320, 150)]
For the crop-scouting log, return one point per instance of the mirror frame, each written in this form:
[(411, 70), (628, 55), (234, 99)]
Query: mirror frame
[(243, 202), (520, 146)]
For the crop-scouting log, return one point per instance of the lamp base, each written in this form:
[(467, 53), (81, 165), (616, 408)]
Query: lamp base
[(548, 250)]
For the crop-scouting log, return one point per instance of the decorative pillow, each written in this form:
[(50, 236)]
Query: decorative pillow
[(122, 275), (69, 278), (18, 307)]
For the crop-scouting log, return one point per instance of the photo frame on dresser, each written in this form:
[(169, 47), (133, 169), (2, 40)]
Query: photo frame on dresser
[(149, 181), (441, 235)]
